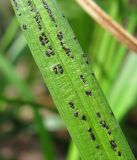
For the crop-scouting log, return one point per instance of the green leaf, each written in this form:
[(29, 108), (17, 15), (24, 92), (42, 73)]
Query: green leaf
[(123, 94), (71, 82)]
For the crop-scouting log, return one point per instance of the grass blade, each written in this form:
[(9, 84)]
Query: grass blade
[(124, 93), (8, 35), (71, 82)]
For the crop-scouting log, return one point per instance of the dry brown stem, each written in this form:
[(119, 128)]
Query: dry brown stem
[(108, 23)]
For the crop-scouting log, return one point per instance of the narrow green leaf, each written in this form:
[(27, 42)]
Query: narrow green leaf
[(123, 94), (9, 34), (72, 152), (16, 48), (71, 82)]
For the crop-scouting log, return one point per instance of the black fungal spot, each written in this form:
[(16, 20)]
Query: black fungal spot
[(49, 52), (16, 5), (29, 3), (83, 117), (60, 36), (113, 144), (31, 6), (71, 105), (74, 38), (107, 127), (98, 114), (38, 18), (72, 57), (55, 70), (67, 50), (89, 129), (93, 74), (88, 93), (103, 123), (76, 114), (19, 14), (119, 154), (85, 58), (49, 12), (43, 39), (24, 26), (97, 146), (109, 132), (82, 78), (58, 69), (92, 136)]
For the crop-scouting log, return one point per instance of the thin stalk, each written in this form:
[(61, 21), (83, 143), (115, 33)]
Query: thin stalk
[(9, 34)]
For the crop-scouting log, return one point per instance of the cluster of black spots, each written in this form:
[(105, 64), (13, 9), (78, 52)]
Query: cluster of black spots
[(43, 39), (83, 117), (38, 18), (85, 58), (24, 26), (76, 114), (98, 115), (88, 93), (71, 104), (113, 145), (49, 52), (58, 69), (29, 3), (67, 50), (92, 136), (82, 78), (16, 5), (49, 12), (60, 35), (119, 154), (104, 124)]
